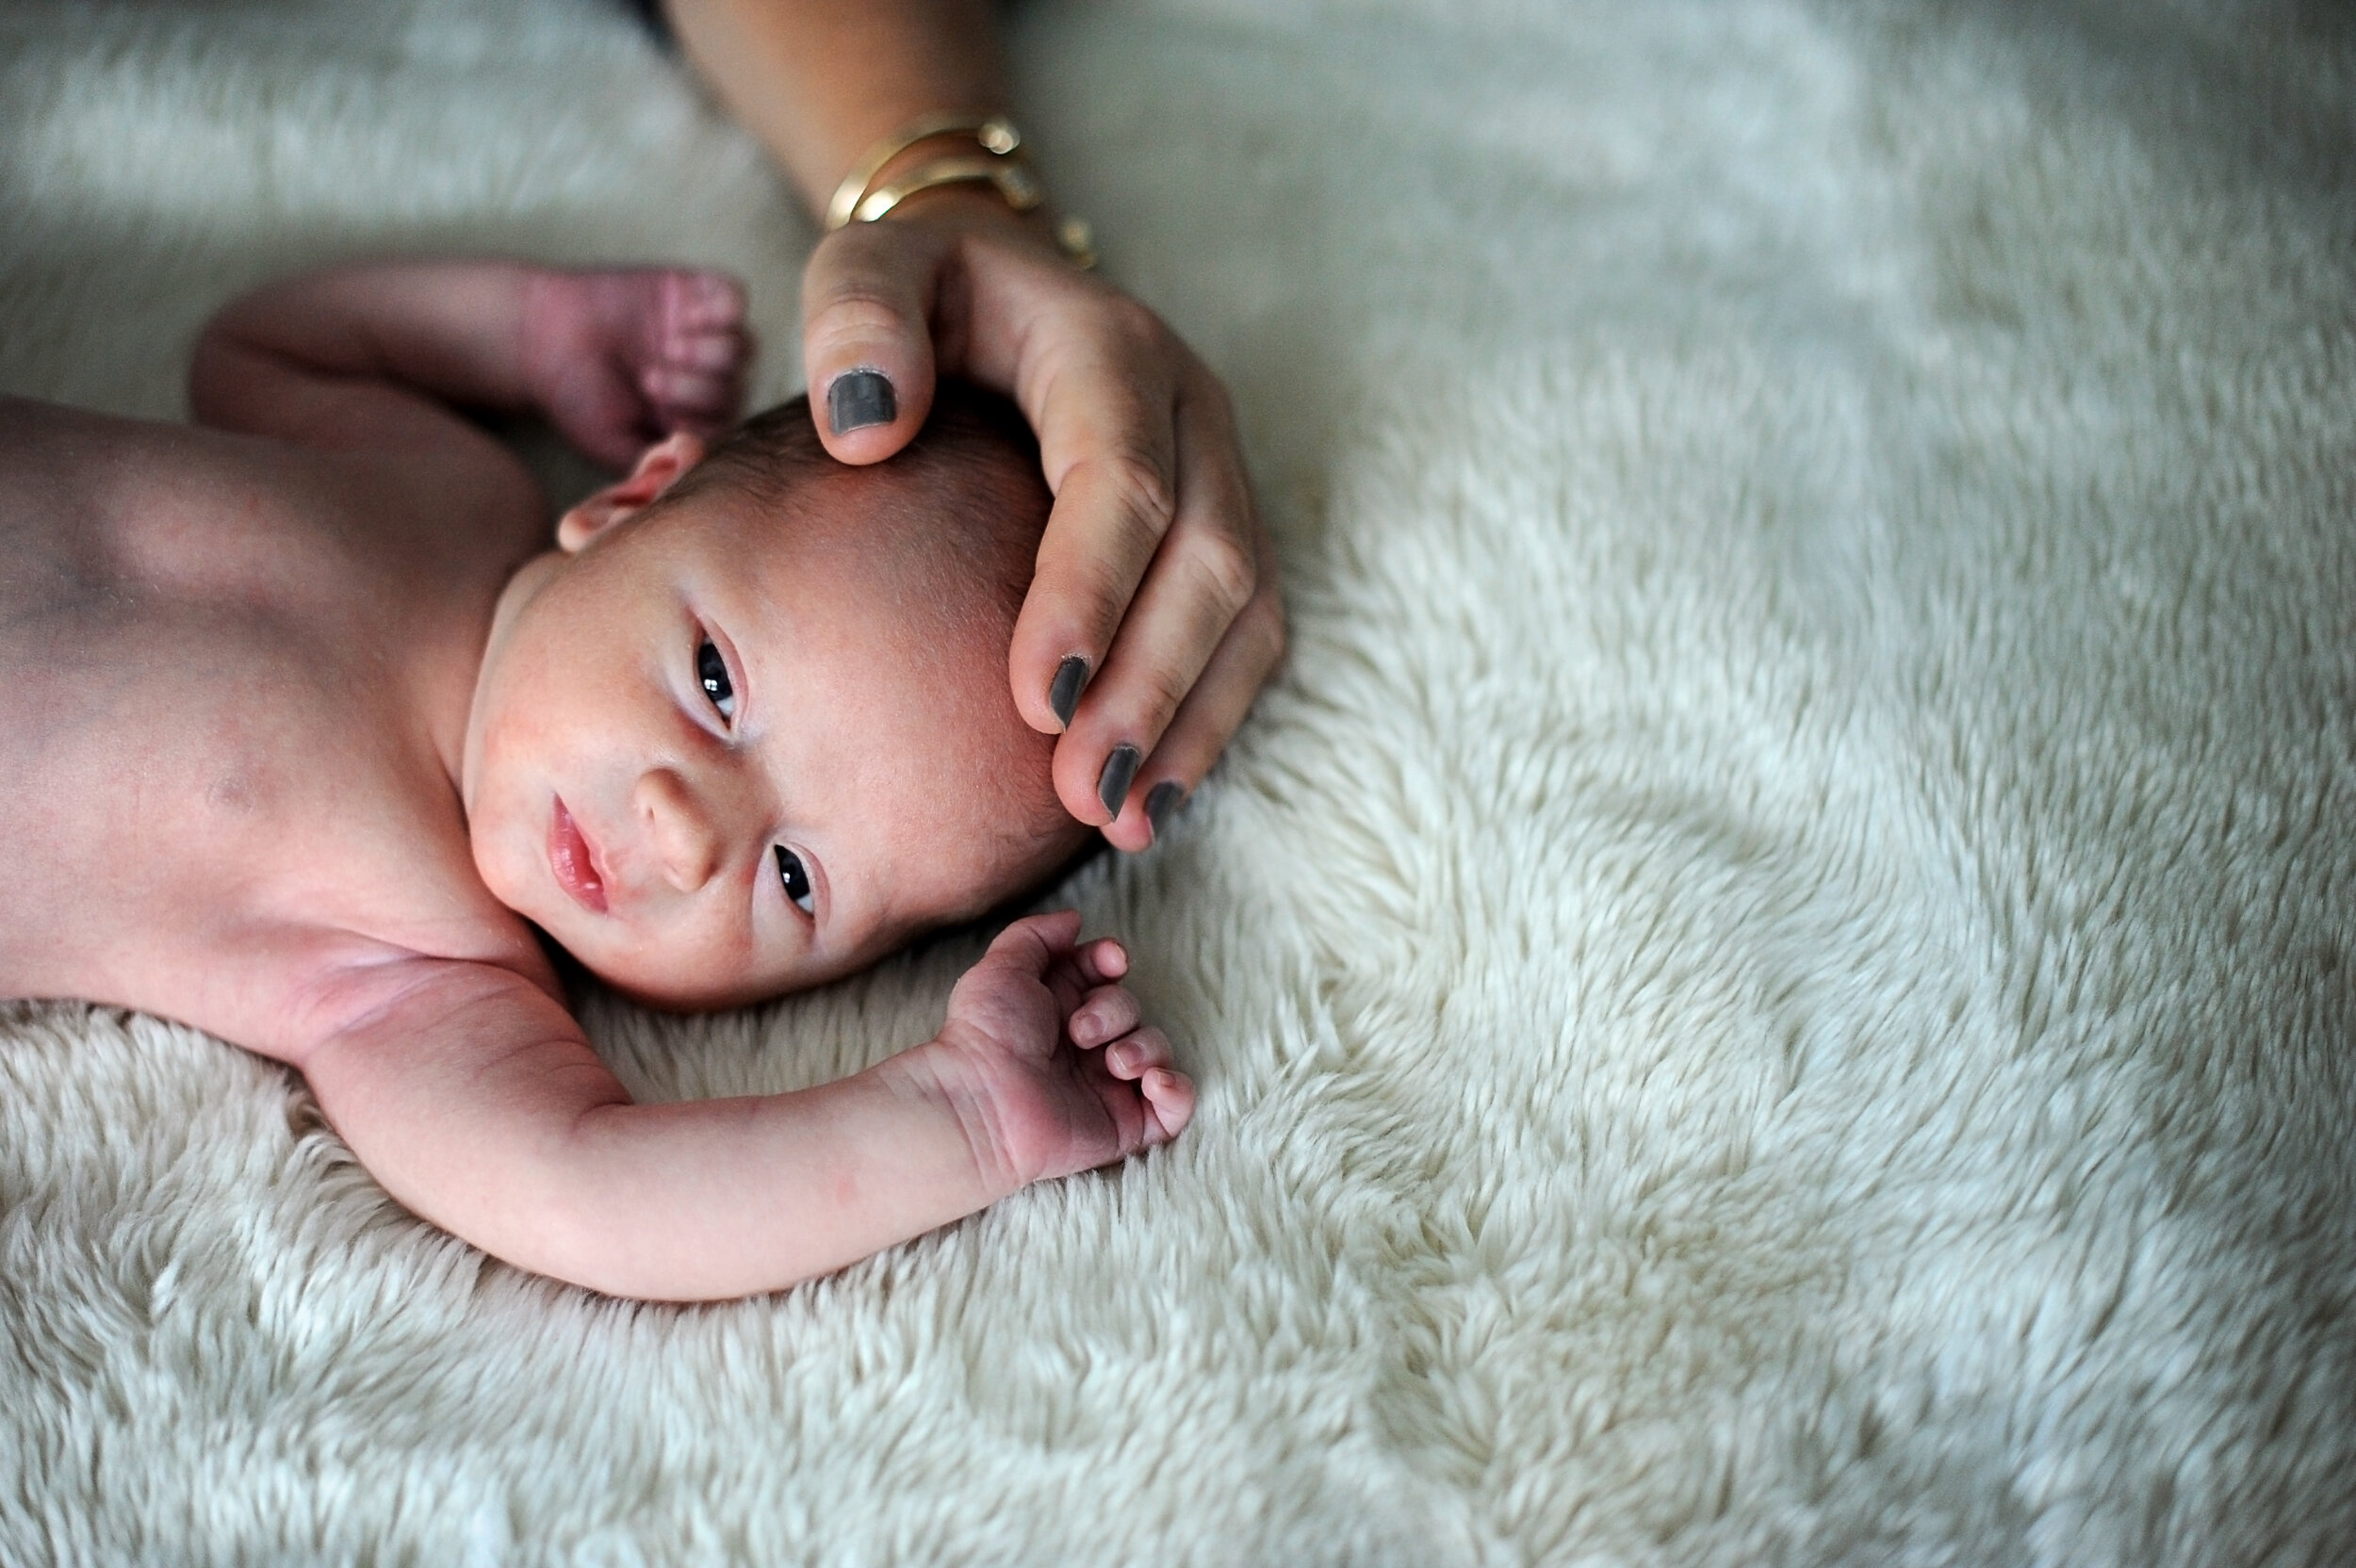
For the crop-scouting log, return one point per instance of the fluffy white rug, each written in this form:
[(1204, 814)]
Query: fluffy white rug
[(1776, 982)]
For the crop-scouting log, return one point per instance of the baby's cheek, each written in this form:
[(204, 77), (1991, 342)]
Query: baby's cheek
[(512, 850), (495, 855), (701, 962)]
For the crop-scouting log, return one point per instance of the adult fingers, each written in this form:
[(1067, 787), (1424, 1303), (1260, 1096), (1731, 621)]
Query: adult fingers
[(1211, 566), (1103, 397), (1213, 709), (867, 345), (1151, 525)]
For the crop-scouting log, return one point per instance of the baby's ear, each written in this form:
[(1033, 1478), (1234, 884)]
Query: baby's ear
[(658, 468)]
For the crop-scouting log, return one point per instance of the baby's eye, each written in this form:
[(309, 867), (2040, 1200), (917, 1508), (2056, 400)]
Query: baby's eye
[(713, 670), (796, 879)]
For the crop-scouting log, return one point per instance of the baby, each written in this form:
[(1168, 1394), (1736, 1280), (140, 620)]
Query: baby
[(305, 729)]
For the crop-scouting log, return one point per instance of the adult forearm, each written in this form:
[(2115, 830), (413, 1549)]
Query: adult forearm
[(821, 81)]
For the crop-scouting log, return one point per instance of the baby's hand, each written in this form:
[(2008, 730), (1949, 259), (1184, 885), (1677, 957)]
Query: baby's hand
[(1044, 1057), (619, 360)]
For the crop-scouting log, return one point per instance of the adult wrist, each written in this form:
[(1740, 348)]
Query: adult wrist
[(982, 160), (968, 207)]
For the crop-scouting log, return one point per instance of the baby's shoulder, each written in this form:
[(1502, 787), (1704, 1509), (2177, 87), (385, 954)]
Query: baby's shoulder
[(325, 986), (362, 993), (187, 514)]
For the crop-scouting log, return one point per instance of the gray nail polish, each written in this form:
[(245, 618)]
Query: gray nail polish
[(1159, 800), (1121, 768), (1071, 679), (859, 398)]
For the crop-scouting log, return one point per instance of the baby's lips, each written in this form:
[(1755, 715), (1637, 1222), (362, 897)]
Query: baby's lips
[(573, 861)]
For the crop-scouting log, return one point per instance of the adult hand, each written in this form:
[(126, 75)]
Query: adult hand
[(1154, 617)]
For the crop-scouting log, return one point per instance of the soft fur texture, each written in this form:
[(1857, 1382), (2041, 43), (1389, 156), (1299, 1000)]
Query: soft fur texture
[(1773, 982)]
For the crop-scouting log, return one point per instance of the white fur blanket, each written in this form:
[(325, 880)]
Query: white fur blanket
[(1774, 982)]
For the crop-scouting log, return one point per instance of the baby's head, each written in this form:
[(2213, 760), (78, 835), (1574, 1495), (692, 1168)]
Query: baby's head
[(751, 728)]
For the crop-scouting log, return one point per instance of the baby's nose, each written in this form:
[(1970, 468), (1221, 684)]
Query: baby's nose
[(687, 843)]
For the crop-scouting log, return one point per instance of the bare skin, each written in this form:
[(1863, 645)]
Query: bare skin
[(261, 671), (1154, 575)]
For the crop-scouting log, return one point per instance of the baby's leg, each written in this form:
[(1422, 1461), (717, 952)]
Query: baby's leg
[(362, 356)]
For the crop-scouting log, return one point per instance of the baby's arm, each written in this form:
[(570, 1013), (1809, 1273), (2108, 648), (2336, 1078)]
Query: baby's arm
[(367, 355), (471, 1095)]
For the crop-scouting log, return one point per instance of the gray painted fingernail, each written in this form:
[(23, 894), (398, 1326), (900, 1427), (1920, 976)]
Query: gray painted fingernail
[(1159, 800), (1121, 770), (1071, 679), (859, 398)]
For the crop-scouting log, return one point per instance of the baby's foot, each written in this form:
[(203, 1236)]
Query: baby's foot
[(621, 359)]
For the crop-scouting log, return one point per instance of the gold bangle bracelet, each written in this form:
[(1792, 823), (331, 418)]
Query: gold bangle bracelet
[(996, 134), (860, 200), (1014, 180)]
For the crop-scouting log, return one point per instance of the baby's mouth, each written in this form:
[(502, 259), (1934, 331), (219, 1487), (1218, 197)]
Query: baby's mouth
[(574, 863)]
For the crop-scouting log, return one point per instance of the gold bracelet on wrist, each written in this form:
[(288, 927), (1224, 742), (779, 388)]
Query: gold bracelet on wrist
[(995, 133), (1000, 165), (1014, 180)]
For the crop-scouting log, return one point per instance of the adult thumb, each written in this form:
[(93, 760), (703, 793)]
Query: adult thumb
[(867, 342)]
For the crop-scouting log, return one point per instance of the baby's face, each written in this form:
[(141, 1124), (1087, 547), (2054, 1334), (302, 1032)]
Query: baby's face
[(718, 756)]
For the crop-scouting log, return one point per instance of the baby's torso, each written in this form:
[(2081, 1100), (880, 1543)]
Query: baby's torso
[(219, 665)]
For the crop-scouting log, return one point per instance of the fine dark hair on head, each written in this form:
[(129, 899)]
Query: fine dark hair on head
[(975, 463)]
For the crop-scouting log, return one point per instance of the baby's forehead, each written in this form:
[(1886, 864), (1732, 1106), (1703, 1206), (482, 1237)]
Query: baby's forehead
[(912, 548), (846, 588), (967, 491)]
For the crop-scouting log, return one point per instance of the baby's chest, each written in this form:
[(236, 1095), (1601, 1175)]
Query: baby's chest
[(192, 797), (128, 716)]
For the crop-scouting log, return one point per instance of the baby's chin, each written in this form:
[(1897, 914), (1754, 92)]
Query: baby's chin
[(706, 1000), (663, 993)]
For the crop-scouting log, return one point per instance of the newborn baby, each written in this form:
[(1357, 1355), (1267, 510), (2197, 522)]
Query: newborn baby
[(305, 730)]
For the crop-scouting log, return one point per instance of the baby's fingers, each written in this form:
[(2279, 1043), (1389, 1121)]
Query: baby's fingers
[(1105, 1014), (1138, 1054), (1168, 1104), (1101, 961), (1037, 945), (1075, 973)]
